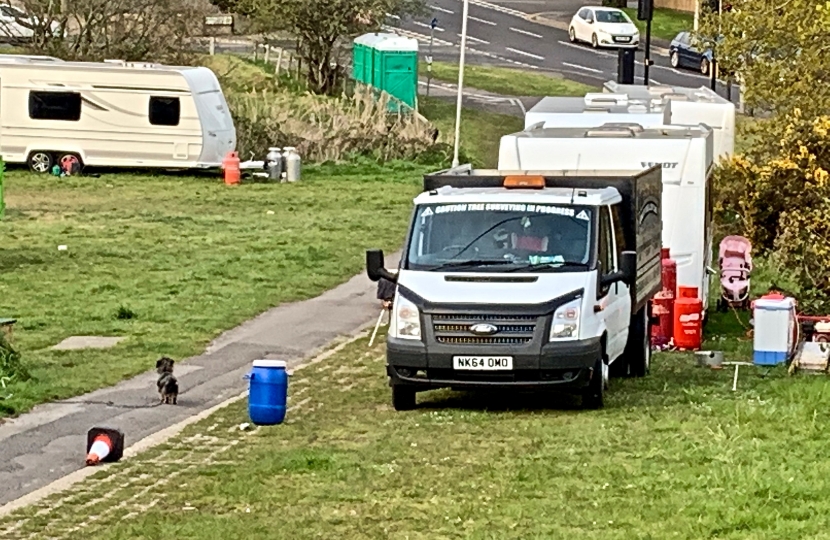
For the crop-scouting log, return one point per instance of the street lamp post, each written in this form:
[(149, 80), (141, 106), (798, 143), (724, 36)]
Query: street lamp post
[(460, 83)]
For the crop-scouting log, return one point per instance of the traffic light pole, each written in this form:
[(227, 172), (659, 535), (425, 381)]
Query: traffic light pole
[(647, 62)]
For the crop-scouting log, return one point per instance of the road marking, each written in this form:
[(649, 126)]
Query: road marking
[(500, 9), (476, 19), (525, 32), (586, 49), (525, 53), (441, 42), (439, 8), (471, 38), (416, 35), (396, 17), (576, 66), (424, 25)]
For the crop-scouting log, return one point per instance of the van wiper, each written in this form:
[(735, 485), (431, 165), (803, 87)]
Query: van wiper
[(468, 263), (537, 266)]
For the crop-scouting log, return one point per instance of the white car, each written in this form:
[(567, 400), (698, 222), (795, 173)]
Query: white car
[(603, 27)]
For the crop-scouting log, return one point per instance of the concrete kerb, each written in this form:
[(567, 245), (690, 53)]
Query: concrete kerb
[(159, 437)]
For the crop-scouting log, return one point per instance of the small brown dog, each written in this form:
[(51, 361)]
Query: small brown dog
[(167, 385)]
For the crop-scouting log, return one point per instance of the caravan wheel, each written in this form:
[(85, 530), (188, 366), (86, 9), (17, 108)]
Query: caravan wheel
[(40, 161)]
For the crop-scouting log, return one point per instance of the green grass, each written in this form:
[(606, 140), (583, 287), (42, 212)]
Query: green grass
[(480, 130), (674, 455), (171, 261), (507, 81), (665, 23)]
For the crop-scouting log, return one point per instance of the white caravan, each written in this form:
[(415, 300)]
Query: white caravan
[(685, 154), (111, 114), (640, 107), (690, 107)]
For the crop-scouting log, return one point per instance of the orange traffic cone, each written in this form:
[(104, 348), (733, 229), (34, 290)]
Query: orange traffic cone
[(104, 444)]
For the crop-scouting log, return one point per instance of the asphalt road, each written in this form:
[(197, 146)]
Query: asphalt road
[(499, 30)]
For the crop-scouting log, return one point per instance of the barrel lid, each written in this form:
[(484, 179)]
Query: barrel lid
[(270, 363), (785, 303)]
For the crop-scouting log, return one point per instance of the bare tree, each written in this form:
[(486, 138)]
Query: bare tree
[(319, 25), (157, 30)]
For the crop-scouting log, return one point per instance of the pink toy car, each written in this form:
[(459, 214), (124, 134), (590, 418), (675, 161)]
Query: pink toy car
[(735, 267)]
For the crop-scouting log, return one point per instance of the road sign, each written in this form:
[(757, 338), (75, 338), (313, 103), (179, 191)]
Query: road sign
[(434, 23)]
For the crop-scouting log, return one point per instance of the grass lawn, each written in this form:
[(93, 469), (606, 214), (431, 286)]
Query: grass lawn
[(665, 23), (480, 130), (674, 455), (507, 81), (170, 262)]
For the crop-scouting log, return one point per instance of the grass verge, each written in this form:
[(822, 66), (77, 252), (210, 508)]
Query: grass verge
[(676, 447), (507, 81), (665, 23), (481, 131), (170, 262)]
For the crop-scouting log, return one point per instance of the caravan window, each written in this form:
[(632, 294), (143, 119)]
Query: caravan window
[(55, 106), (164, 111)]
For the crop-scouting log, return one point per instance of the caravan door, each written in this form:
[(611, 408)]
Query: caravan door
[(218, 133)]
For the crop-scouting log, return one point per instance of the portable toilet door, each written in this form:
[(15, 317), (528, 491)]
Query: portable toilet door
[(363, 56), (396, 70)]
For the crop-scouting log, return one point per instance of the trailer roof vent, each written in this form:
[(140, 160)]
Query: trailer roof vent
[(674, 96), (637, 108), (599, 98), (614, 130)]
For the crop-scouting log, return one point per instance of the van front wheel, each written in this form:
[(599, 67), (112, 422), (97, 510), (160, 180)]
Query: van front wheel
[(40, 161)]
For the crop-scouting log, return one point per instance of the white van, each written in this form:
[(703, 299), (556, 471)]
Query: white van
[(111, 114), (684, 153)]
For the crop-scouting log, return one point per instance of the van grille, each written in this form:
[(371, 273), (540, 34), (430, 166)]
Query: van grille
[(454, 329)]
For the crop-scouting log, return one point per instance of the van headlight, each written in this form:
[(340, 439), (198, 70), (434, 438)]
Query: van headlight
[(565, 323), (407, 319)]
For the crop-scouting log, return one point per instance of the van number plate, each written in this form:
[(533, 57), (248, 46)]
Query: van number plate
[(485, 363)]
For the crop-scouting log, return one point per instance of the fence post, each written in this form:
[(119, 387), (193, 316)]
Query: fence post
[(212, 45), (256, 51), (279, 61), (267, 51)]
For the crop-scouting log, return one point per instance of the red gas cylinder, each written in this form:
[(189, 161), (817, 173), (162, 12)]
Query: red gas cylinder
[(668, 273), (661, 308), (688, 319), (231, 166)]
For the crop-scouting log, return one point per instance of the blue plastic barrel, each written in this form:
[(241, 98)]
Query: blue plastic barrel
[(267, 392)]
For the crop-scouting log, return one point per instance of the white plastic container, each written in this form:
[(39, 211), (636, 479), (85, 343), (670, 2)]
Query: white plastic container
[(773, 334)]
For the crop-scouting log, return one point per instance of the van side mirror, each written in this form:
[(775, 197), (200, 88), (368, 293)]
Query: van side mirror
[(375, 266), (628, 267)]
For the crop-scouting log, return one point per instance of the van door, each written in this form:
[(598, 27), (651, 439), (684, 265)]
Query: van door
[(616, 298)]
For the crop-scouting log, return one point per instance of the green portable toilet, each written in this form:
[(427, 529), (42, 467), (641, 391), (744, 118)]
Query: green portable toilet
[(395, 69), (363, 49)]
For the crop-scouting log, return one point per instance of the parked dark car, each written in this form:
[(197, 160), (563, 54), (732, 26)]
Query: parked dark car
[(684, 53)]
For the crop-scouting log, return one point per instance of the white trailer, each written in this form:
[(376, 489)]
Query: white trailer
[(111, 114), (688, 107), (685, 154)]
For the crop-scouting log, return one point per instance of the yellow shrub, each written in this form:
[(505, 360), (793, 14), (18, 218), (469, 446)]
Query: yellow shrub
[(778, 195)]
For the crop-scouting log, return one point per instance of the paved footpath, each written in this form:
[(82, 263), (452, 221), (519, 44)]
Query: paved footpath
[(49, 442)]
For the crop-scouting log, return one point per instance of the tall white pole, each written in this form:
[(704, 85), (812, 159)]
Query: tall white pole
[(460, 83)]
